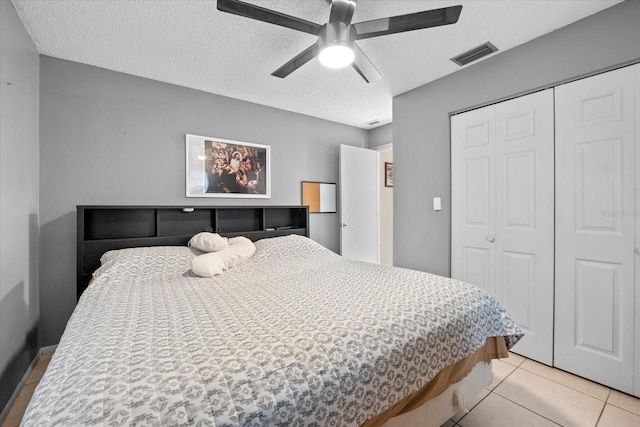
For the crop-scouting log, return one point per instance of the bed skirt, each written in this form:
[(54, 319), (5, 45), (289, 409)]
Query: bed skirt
[(494, 348)]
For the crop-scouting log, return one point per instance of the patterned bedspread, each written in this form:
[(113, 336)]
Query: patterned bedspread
[(295, 336)]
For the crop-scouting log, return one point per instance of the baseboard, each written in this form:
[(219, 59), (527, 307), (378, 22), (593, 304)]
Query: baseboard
[(25, 377), (47, 349)]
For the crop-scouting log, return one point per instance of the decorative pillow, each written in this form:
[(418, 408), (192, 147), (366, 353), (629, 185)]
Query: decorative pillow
[(213, 263), (208, 242)]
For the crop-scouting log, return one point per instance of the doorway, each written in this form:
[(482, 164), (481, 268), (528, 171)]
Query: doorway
[(366, 204), (385, 186)]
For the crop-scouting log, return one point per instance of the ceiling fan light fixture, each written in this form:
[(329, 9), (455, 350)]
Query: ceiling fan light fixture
[(336, 45), (336, 55), (336, 40)]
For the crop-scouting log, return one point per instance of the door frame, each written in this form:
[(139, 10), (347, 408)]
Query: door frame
[(380, 185)]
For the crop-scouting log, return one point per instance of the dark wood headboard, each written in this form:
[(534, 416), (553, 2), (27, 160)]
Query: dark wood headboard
[(104, 228)]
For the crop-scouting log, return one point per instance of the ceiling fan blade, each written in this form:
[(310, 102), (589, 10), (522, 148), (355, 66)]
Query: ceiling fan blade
[(410, 22), (342, 11), (298, 61), (247, 10), (364, 66)]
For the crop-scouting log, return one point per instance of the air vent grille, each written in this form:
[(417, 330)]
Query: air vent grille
[(474, 54)]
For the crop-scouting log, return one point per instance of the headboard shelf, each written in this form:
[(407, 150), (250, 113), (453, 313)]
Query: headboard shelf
[(239, 219), (104, 228)]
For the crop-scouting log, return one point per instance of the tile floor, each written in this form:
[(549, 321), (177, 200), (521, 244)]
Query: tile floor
[(523, 393), (527, 393), (22, 401)]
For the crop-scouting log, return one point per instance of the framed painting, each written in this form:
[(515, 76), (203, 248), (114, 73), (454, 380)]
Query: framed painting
[(388, 174), (219, 167)]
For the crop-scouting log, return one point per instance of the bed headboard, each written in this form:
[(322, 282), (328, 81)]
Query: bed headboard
[(104, 228)]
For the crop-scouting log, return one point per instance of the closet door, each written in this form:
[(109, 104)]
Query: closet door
[(595, 227), (502, 211), (524, 219), (473, 197)]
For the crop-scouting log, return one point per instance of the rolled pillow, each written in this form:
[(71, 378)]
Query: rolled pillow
[(213, 263), (208, 242), (209, 264)]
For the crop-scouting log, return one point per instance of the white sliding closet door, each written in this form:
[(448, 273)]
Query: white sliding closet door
[(502, 211), (473, 198), (595, 227), (524, 218)]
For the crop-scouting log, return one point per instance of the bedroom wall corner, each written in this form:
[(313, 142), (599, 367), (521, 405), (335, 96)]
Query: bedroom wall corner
[(19, 201), (421, 134), (382, 135), (110, 138)]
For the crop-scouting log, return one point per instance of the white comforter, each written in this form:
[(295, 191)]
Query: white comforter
[(295, 336)]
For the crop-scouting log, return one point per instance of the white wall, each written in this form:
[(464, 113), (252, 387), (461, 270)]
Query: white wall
[(19, 157)]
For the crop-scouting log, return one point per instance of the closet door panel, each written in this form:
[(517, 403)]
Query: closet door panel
[(518, 269), (524, 218), (595, 227), (502, 211), (473, 195), (597, 302), (476, 267)]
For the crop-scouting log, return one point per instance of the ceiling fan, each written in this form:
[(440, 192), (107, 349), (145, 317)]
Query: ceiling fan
[(336, 46)]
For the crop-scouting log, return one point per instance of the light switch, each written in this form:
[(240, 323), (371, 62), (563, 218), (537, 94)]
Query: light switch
[(437, 204)]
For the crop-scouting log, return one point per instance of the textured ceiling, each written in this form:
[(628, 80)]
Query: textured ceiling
[(190, 43)]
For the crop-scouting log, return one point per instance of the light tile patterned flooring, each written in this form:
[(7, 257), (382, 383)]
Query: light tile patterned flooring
[(527, 393), (20, 405), (523, 393)]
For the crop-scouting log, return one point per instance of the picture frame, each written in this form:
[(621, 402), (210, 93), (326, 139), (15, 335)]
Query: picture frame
[(217, 167), (388, 174), (321, 197)]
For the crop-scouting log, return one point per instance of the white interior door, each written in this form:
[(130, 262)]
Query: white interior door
[(359, 203), (595, 227), (502, 211)]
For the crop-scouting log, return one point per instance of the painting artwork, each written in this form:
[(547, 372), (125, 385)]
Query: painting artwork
[(388, 174), (224, 168)]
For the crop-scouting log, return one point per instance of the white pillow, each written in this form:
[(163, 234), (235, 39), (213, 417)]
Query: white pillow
[(213, 263), (208, 242)]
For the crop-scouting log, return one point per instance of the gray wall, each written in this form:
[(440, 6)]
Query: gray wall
[(112, 138), (421, 120), (19, 99), (381, 135)]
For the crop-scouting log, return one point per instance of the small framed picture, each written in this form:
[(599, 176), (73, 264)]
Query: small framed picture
[(388, 174), (219, 167)]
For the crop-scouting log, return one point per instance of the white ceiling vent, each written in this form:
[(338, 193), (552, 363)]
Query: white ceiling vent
[(474, 54)]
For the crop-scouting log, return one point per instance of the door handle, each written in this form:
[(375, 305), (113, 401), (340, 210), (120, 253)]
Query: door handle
[(491, 239), (344, 225)]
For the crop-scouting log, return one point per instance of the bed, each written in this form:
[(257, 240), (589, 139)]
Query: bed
[(294, 336)]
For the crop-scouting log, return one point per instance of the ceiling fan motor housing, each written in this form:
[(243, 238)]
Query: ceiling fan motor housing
[(336, 33)]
